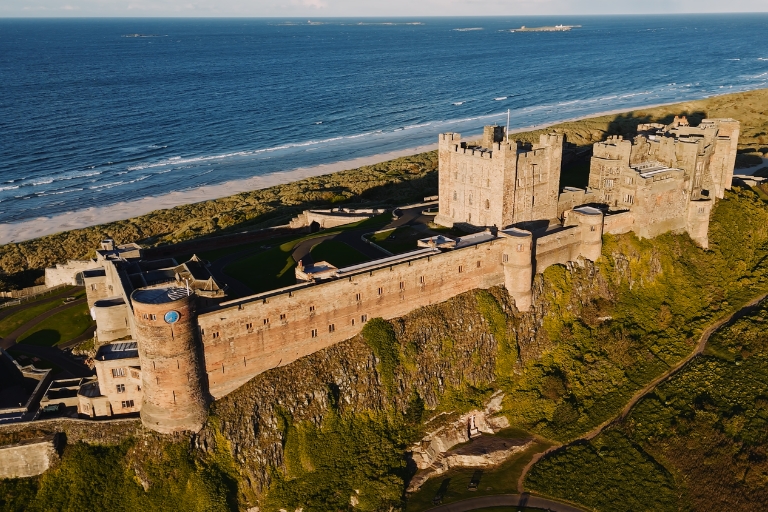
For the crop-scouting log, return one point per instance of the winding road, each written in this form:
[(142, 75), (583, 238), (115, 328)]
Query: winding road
[(648, 388), (10, 340)]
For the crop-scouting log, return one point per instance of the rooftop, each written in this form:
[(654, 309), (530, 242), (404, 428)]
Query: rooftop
[(439, 241), (119, 350), (515, 232), (588, 210), (159, 295), (390, 260), (109, 302), (474, 239), (649, 169)]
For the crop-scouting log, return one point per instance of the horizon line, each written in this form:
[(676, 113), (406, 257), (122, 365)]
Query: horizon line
[(398, 16)]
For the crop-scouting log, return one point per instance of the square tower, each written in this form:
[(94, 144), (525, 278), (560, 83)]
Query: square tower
[(498, 183)]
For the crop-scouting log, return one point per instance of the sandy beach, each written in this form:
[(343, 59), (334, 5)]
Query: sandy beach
[(41, 226)]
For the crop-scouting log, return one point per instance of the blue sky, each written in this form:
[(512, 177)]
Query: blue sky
[(361, 8)]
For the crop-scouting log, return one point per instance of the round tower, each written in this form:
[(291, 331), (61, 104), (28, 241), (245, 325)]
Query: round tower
[(173, 378), (697, 222), (517, 260), (591, 221)]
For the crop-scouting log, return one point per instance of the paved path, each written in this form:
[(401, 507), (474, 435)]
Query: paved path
[(88, 334), (749, 171), (352, 237), (10, 340), (5, 312), (505, 500), (648, 388)]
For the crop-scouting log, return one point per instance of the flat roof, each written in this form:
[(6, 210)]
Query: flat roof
[(649, 169), (589, 210), (159, 295), (474, 239), (516, 232), (109, 302), (319, 267), (386, 261), (119, 350)]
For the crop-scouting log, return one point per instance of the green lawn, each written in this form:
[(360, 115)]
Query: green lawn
[(216, 254), (338, 254), (499, 480), (270, 269), (59, 328), (399, 240), (27, 313), (273, 268)]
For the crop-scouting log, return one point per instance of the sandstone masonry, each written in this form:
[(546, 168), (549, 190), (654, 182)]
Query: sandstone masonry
[(184, 344)]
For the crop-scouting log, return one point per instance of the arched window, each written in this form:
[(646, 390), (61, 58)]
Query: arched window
[(454, 195), (470, 198), (487, 204)]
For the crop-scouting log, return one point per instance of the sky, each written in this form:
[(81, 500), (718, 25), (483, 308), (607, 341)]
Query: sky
[(364, 8)]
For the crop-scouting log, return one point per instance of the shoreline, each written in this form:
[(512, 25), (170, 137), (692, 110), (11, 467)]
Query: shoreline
[(16, 232)]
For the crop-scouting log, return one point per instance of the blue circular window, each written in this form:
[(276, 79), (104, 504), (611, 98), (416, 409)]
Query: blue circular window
[(172, 317)]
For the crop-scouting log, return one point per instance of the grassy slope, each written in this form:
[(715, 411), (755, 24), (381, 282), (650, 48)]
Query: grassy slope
[(103, 477), (59, 328), (701, 440), (396, 181), (16, 320), (675, 289)]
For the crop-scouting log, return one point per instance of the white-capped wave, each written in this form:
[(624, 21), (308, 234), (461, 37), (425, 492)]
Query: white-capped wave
[(500, 98), (412, 126), (14, 187), (457, 103), (469, 29), (732, 59)]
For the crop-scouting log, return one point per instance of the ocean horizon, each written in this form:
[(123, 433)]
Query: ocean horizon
[(96, 112)]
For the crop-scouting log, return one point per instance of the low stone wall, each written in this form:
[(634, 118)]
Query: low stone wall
[(66, 273), (326, 219), (28, 458), (88, 431), (26, 292)]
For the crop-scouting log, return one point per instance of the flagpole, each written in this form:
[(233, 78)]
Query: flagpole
[(507, 125)]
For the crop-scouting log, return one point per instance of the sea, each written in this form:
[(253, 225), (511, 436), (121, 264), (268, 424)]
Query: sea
[(99, 111)]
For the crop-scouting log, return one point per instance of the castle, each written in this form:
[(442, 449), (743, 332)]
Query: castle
[(171, 342)]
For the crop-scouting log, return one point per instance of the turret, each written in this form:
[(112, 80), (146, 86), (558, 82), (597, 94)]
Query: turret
[(492, 135), (591, 221), (173, 378), (697, 221), (517, 259)]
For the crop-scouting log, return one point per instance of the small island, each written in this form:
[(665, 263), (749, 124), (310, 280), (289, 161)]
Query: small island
[(556, 28)]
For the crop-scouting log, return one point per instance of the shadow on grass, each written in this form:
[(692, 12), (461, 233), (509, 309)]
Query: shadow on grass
[(44, 337)]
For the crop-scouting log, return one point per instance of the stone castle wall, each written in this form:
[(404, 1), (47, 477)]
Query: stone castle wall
[(250, 336), (30, 458), (66, 273)]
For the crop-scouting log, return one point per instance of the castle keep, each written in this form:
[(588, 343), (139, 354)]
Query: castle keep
[(172, 342)]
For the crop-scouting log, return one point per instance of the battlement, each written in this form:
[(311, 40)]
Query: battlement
[(188, 354)]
